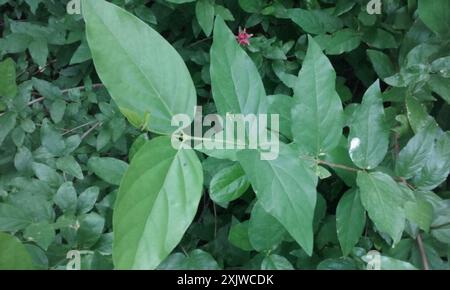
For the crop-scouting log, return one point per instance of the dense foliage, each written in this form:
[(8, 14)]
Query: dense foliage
[(86, 162)]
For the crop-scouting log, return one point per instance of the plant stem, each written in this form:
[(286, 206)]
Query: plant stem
[(423, 255), (94, 86), (90, 130)]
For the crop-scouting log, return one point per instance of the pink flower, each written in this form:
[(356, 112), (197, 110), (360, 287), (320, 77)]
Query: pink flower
[(243, 38)]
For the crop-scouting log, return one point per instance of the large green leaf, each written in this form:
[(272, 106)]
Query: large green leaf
[(236, 84), (13, 254), (317, 117), (157, 201), (286, 188), (350, 220), (381, 197), (144, 74), (369, 133), (437, 165), (416, 153), (436, 15)]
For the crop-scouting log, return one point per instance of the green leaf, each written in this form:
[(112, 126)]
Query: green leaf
[(228, 184), (91, 228), (236, 84), (420, 212), (57, 110), (381, 197), (69, 165), (162, 188), (109, 169), (369, 133), (8, 87), (264, 231), (339, 155), (379, 38), (13, 254), (317, 117), (39, 51), (341, 41), (87, 199), (238, 236), (381, 63), (204, 10), (41, 233), (416, 153), (315, 21), (147, 79), (66, 198), (417, 115), (342, 263), (199, 260), (437, 165), (282, 105), (276, 262), (82, 54), (7, 123), (436, 15), (350, 220), (12, 218), (286, 188)]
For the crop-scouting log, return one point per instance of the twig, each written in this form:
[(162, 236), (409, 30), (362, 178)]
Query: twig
[(340, 166), (423, 255), (198, 42), (76, 128), (90, 130), (94, 86), (215, 220)]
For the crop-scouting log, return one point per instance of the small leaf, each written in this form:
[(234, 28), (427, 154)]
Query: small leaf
[(109, 169), (350, 220), (69, 165), (228, 184), (87, 199), (381, 63), (381, 197), (66, 198), (276, 262), (264, 231), (204, 10), (238, 236), (8, 87)]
